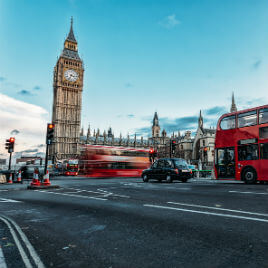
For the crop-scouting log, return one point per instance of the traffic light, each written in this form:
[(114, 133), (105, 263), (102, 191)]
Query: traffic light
[(50, 133), (10, 144), (173, 145), (151, 155)]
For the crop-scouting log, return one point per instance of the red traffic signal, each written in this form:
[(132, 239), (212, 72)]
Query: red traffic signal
[(173, 145), (10, 144), (50, 126), (50, 132)]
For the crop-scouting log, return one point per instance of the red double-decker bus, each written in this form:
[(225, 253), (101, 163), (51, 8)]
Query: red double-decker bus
[(112, 161), (241, 145), (70, 167)]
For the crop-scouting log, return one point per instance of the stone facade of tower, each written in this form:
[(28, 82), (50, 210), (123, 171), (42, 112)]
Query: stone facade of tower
[(67, 101)]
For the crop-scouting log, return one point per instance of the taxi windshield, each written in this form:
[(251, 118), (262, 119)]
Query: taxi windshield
[(180, 163)]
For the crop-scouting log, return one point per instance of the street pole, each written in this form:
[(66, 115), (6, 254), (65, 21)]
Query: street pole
[(45, 171), (170, 149), (9, 165)]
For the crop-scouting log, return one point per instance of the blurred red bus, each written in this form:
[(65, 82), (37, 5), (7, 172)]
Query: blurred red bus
[(70, 167), (111, 161), (241, 145)]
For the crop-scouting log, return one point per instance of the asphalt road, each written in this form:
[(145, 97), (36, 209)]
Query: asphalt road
[(123, 222)]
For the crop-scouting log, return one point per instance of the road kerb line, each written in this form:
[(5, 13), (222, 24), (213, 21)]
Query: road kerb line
[(223, 209), (2, 259), (29, 246), (208, 213), (18, 244), (247, 192)]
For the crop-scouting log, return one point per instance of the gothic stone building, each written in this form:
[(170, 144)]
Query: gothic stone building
[(190, 148), (67, 101)]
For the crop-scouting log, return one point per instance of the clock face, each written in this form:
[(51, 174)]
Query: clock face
[(71, 75)]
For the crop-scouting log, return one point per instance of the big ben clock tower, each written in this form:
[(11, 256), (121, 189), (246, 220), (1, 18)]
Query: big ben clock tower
[(67, 101)]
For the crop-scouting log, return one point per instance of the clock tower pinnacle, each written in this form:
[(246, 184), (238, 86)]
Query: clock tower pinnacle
[(67, 101)]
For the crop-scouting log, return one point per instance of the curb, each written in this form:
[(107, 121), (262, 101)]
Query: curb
[(42, 187)]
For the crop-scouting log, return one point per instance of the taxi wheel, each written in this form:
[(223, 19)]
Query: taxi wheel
[(168, 179), (184, 180), (145, 178)]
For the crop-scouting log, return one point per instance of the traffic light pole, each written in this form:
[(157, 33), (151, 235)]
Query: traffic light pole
[(45, 171), (49, 137), (9, 165), (170, 149)]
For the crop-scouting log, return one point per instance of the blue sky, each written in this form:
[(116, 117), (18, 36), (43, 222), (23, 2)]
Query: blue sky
[(173, 57)]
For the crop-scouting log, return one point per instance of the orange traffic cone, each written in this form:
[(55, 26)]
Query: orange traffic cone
[(19, 177), (46, 181), (35, 181), (10, 179)]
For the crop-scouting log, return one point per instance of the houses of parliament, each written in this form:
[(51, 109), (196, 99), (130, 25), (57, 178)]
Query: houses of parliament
[(66, 115)]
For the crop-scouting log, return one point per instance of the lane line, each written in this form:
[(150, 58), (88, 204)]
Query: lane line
[(4, 200), (2, 259), (18, 244), (247, 192), (223, 209), (207, 213), (72, 195), (31, 249)]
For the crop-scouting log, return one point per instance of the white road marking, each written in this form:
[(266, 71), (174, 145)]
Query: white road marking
[(3, 190), (2, 259), (247, 192), (72, 195), (106, 193), (135, 184), (87, 191), (18, 244), (207, 213), (100, 192), (32, 251), (4, 200), (217, 208)]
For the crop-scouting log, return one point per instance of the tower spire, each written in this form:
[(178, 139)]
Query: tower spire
[(70, 36), (233, 106), (155, 120), (200, 120)]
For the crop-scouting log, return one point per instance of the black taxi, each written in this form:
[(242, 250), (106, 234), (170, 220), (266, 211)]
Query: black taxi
[(168, 169)]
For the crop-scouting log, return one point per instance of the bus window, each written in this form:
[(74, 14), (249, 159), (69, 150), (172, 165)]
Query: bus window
[(247, 119), (228, 122), (220, 156), (263, 116), (248, 152), (264, 150), (263, 132)]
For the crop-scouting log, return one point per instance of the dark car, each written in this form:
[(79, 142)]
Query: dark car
[(168, 169)]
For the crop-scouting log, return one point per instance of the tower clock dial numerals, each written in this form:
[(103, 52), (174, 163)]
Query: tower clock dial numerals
[(71, 75)]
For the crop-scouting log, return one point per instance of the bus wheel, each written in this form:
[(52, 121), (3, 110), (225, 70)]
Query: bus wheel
[(145, 178), (249, 175)]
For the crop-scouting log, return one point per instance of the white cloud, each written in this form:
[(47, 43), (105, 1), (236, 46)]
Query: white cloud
[(169, 22), (29, 119)]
